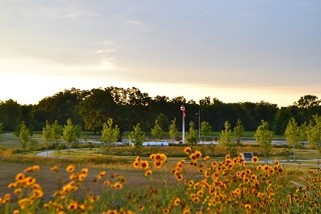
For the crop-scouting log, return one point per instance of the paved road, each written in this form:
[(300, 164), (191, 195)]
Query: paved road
[(49, 154)]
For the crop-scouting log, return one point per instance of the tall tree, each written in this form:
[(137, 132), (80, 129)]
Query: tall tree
[(10, 114), (61, 106), (96, 107), (292, 134), (110, 133), (264, 137), (24, 135), (307, 101), (226, 139)]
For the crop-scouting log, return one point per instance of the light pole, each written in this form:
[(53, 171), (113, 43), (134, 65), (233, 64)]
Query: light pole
[(199, 125), (183, 123)]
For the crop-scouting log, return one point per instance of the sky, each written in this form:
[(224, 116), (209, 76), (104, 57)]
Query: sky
[(232, 50)]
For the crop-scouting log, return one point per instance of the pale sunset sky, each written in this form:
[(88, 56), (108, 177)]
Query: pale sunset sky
[(233, 50)]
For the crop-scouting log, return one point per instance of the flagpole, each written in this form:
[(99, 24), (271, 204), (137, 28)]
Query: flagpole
[(199, 125), (183, 123)]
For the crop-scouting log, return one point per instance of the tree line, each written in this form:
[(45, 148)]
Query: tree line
[(91, 109)]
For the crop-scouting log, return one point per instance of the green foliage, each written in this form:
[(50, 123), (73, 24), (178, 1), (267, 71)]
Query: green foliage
[(314, 133), (264, 137), (71, 133), (191, 136), (33, 145), (226, 139), (307, 101), (1, 128), (10, 114), (173, 130), (238, 131), (109, 134), (292, 134), (51, 133), (24, 135), (162, 121), (206, 129), (137, 137), (157, 131)]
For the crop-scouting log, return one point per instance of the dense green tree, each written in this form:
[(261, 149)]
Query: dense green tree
[(307, 101), (173, 132), (10, 114), (205, 101), (226, 139), (71, 134), (238, 131), (157, 131), (61, 106), (24, 135), (264, 137), (137, 137), (110, 134), (96, 107), (206, 129), (191, 136), (292, 134)]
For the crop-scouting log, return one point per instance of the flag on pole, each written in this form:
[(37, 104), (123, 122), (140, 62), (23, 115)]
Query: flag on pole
[(183, 110)]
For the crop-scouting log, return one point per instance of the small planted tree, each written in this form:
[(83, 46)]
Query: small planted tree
[(226, 139), (173, 130), (137, 137), (109, 134), (314, 133), (24, 135), (51, 134), (206, 129), (1, 128), (191, 137), (157, 131), (238, 131), (292, 135), (47, 135), (71, 134), (264, 137)]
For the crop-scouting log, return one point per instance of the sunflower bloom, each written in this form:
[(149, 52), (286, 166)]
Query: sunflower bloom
[(176, 201), (118, 185), (144, 165), (70, 168), (20, 177), (247, 206), (72, 206), (255, 159), (29, 181), (187, 150), (54, 168), (101, 175), (148, 172)]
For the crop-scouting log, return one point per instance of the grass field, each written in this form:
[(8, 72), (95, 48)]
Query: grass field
[(169, 188)]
